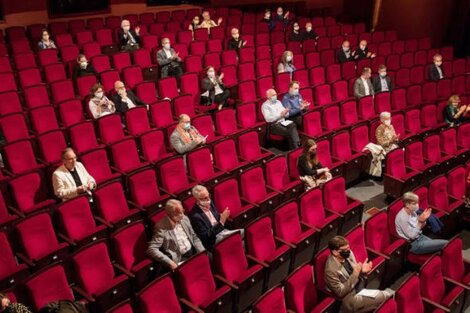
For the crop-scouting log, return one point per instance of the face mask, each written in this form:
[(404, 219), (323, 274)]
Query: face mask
[(308, 29), (273, 99), (345, 254), (388, 122), (166, 46), (83, 64), (363, 47), (383, 74), (296, 92), (345, 49), (46, 37), (211, 74), (296, 29), (187, 126), (414, 208), (99, 95), (268, 16), (126, 28), (438, 63), (236, 36), (288, 58), (279, 13), (205, 203)]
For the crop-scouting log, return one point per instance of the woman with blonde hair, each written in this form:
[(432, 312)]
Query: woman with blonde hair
[(286, 65), (99, 104), (311, 171), (454, 113)]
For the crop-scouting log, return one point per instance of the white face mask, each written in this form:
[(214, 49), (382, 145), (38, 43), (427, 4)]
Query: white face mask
[(83, 64), (383, 74), (363, 47), (99, 95), (205, 203), (296, 29), (345, 49), (388, 122), (211, 74), (166, 46), (438, 63), (308, 29), (414, 207), (187, 126), (126, 28), (289, 58), (273, 99)]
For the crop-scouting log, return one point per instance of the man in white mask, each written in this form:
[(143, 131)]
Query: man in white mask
[(382, 82), (129, 39), (344, 54), (362, 52), (435, 71), (186, 137), (83, 68), (169, 60), (409, 226), (309, 33), (207, 222)]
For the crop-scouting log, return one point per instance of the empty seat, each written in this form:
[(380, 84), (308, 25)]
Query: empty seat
[(11, 272), (201, 169), (254, 189), (159, 296), (398, 178), (144, 191), (14, 127), (83, 138), (125, 156), (19, 157), (51, 144), (110, 128), (272, 301), (250, 150), (173, 177), (278, 178), (97, 164)]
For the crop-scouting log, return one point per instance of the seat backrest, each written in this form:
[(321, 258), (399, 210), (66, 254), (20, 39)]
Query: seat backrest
[(51, 144), (159, 296), (8, 264), (253, 185), (431, 279), (453, 265), (143, 187), (311, 208), (111, 202), (83, 136), (71, 112), (392, 212), (334, 195), (200, 164), (130, 245), (43, 119), (229, 258), (20, 156), (319, 268), (259, 239), (110, 128), (357, 243), (27, 191), (438, 196), (172, 174), (277, 174), (376, 232), (125, 155), (448, 141), (300, 292), (76, 219), (161, 114), (395, 163), (137, 120), (456, 182), (92, 268), (414, 155), (340, 146), (287, 222), (226, 121), (248, 146), (271, 301)]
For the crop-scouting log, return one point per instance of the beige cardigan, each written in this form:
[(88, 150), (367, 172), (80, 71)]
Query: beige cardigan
[(63, 183)]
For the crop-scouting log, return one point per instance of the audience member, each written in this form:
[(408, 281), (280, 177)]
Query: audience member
[(207, 22), (83, 68), (362, 52), (64, 306), (186, 137), (236, 43), (281, 17), (345, 278), (344, 54), (214, 89), (125, 99), (295, 34), (71, 178), (129, 39), (206, 220), (275, 114), (385, 133), (99, 104), (311, 171), (295, 103), (268, 19), (435, 71), (382, 82), (174, 240), (286, 63), (363, 85), (194, 24), (409, 226), (10, 307), (309, 33), (454, 113), (169, 60), (46, 41)]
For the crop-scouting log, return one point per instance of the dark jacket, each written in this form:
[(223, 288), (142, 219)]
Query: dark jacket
[(304, 168), (269, 21), (295, 36), (207, 85), (434, 73), (360, 54), (121, 106), (378, 86), (78, 71), (203, 227), (123, 40), (341, 56), (309, 35), (64, 306), (235, 44)]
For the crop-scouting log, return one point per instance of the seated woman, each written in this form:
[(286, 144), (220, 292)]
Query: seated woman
[(286, 64), (194, 24), (385, 133), (311, 172), (46, 41), (99, 104), (454, 113), (82, 67), (214, 89)]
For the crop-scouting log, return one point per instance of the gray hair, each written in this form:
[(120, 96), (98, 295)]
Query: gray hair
[(385, 115), (65, 151), (172, 204), (409, 197), (197, 190)]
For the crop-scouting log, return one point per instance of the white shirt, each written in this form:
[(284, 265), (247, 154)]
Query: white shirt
[(383, 83), (366, 86), (130, 104), (440, 72), (209, 215), (407, 225), (183, 242), (272, 111), (167, 53)]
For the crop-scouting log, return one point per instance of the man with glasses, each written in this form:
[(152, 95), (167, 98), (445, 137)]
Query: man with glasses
[(174, 240), (344, 277)]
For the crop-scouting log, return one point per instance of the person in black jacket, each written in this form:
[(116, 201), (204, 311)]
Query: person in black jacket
[(236, 43), (362, 52), (129, 40), (344, 54), (267, 19), (83, 68), (435, 71), (214, 89), (207, 222), (309, 33), (311, 171), (295, 34), (124, 99), (382, 82)]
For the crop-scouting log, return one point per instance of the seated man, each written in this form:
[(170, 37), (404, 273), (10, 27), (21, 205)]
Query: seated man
[(344, 54), (295, 34), (363, 85), (207, 22), (83, 68), (129, 40), (208, 224), (309, 33), (409, 226), (362, 52), (71, 178), (125, 99), (186, 137), (169, 61), (344, 277), (295, 103), (174, 240), (382, 82), (275, 114), (236, 43), (435, 71), (281, 17)]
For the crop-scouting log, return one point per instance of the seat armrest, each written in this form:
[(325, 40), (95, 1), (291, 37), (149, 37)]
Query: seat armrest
[(225, 281), (189, 306), (25, 259), (167, 192), (275, 190), (255, 260), (102, 221), (282, 241), (433, 305), (248, 201), (375, 253), (123, 270), (83, 294), (66, 239), (17, 212), (304, 226), (448, 280)]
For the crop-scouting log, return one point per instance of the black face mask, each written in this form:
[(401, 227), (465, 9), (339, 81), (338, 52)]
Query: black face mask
[(345, 254)]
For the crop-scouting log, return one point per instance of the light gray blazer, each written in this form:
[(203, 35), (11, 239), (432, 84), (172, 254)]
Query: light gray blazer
[(164, 62), (164, 247), (359, 90)]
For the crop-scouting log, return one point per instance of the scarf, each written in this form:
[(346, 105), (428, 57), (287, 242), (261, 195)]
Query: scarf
[(187, 136)]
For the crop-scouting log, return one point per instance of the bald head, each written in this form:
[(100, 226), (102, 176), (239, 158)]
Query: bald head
[(270, 92), (235, 33), (119, 86), (346, 45)]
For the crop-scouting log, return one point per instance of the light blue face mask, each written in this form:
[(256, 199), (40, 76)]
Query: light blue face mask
[(296, 92), (187, 126), (273, 99)]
